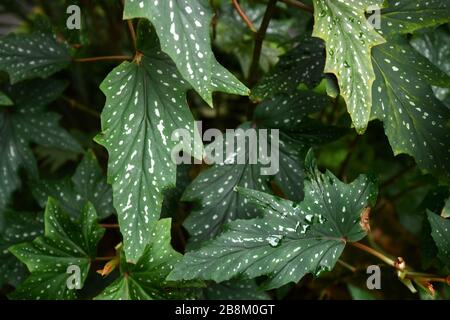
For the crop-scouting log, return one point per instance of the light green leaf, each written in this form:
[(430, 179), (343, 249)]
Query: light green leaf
[(35, 55), (19, 227), (440, 231), (87, 184), (291, 239), (5, 100), (415, 121), (65, 243), (212, 190), (145, 103), (302, 64), (183, 29), (407, 16), (435, 45), (235, 290), (28, 122), (145, 280), (349, 39)]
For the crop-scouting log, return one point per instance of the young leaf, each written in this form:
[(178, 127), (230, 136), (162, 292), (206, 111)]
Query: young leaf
[(440, 231), (235, 290), (145, 103), (145, 280), (302, 64), (349, 40), (407, 16), (87, 184), (19, 227), (415, 121), (291, 239), (212, 190), (65, 244), (35, 55), (183, 29), (5, 100), (28, 122)]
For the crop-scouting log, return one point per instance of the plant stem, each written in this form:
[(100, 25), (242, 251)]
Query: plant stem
[(373, 252), (77, 105), (244, 17), (300, 5), (104, 258), (259, 38), (109, 226), (347, 265), (103, 58)]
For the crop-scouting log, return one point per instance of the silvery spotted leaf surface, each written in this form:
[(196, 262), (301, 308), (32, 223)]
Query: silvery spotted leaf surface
[(349, 39), (87, 184), (302, 64), (435, 45), (65, 243), (145, 103), (35, 55), (146, 280), (26, 122), (407, 16), (213, 190), (415, 121), (183, 28), (440, 231), (19, 227), (290, 240)]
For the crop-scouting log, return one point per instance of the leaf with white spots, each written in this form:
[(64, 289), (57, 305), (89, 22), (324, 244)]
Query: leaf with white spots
[(146, 280), (440, 231), (407, 16), (35, 55), (19, 227), (291, 239), (235, 290), (302, 64), (28, 122), (145, 104), (87, 184), (5, 100), (65, 244), (415, 121), (349, 39), (435, 45), (212, 190), (183, 27)]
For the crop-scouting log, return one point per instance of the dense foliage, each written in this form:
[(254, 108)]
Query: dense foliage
[(93, 204)]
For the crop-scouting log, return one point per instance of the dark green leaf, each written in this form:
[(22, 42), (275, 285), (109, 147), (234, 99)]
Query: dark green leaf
[(349, 39), (145, 280), (183, 29), (415, 121), (28, 122), (5, 100), (302, 64), (87, 184), (145, 103), (407, 16), (440, 231), (291, 239), (19, 227), (36, 55), (65, 243)]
